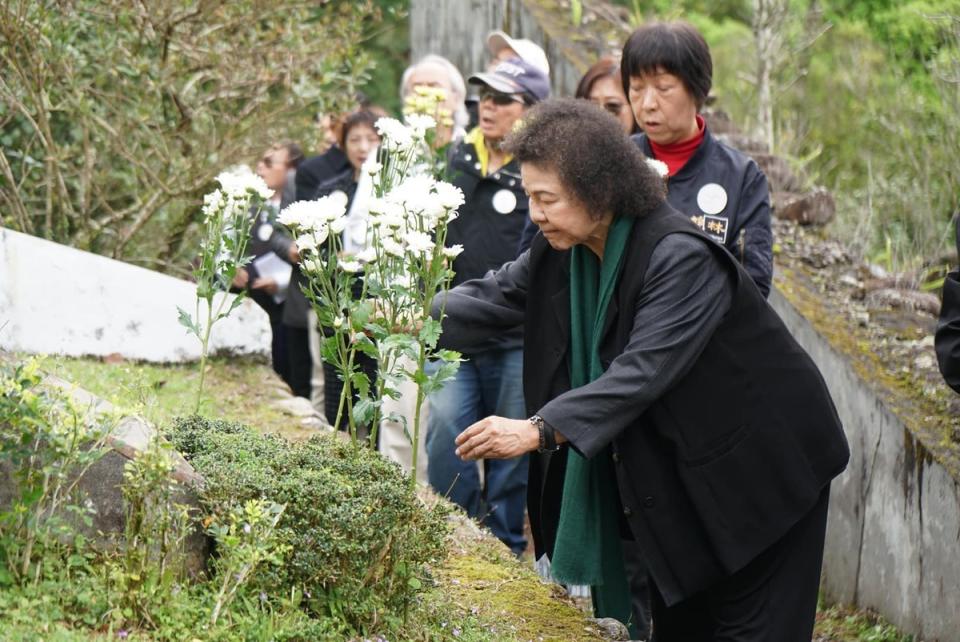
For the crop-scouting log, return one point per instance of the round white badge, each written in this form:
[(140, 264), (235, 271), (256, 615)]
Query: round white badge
[(264, 231), (712, 198), (504, 201)]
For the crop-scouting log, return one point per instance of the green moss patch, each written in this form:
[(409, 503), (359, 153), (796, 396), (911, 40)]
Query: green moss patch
[(483, 578)]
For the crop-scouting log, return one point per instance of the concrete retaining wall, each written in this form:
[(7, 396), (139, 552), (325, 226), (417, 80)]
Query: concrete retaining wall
[(893, 536), (58, 300)]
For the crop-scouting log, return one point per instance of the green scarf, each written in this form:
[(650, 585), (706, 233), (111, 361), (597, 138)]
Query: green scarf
[(587, 548)]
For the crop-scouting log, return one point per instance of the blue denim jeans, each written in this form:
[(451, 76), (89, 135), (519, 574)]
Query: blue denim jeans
[(489, 383)]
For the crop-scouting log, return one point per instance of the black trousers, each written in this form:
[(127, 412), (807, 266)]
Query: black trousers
[(771, 599), (299, 362)]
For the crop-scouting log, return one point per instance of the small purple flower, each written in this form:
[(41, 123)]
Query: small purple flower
[(456, 632), (247, 529), (122, 634), (263, 596)]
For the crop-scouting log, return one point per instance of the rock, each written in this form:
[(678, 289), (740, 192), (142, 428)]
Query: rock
[(779, 174), (101, 484), (925, 361), (315, 423), (719, 122), (746, 144), (296, 406), (875, 271), (904, 299), (611, 629), (850, 281), (813, 208)]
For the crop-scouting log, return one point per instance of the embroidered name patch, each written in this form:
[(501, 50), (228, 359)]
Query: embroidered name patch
[(715, 226)]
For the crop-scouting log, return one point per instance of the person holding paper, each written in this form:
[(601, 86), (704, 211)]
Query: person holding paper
[(267, 277)]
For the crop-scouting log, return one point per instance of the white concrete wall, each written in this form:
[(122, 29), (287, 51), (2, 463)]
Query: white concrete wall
[(58, 300), (893, 532)]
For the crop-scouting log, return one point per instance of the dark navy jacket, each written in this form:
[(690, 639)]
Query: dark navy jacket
[(732, 180), (742, 225)]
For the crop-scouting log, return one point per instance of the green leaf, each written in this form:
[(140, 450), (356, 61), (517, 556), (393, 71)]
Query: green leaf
[(187, 321), (430, 333)]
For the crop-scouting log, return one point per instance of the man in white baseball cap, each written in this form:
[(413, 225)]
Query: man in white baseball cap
[(503, 47)]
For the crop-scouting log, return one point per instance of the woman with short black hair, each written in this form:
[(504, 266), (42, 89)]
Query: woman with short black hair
[(668, 403), (667, 73)]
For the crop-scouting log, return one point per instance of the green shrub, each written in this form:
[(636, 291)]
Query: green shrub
[(360, 540)]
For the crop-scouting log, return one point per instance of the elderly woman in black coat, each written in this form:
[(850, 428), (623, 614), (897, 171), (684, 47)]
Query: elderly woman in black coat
[(668, 401)]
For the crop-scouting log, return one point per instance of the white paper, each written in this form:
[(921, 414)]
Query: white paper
[(271, 266)]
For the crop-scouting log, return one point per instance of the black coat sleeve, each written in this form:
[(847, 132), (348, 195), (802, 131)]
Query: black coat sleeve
[(947, 339), (479, 310)]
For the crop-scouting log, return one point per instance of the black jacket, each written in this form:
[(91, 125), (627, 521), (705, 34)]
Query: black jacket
[(715, 469), (947, 340), (488, 225), (318, 169)]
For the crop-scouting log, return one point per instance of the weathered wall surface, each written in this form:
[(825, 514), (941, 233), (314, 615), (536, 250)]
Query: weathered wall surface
[(893, 536), (58, 300)]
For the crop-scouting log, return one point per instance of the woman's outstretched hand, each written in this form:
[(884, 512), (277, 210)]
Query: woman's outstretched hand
[(497, 438)]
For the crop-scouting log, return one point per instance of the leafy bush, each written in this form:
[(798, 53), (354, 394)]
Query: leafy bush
[(360, 540)]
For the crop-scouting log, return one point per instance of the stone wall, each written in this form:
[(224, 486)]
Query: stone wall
[(58, 300), (893, 535)]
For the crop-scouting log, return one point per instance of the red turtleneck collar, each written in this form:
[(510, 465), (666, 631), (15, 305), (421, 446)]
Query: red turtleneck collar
[(676, 155)]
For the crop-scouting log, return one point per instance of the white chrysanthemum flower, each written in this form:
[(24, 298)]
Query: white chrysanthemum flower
[(392, 246), (350, 265), (396, 136), (239, 181), (338, 322), (312, 265), (420, 124), (451, 196), (372, 167), (367, 255), (659, 167), (305, 216), (453, 251), (393, 219), (419, 242), (376, 205), (338, 225), (213, 201), (309, 242), (334, 205)]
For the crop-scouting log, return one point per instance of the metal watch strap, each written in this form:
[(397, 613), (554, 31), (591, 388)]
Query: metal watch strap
[(548, 440)]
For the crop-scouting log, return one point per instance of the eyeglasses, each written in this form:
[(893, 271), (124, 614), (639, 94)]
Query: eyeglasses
[(499, 98)]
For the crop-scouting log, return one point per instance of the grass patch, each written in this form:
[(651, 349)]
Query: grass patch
[(235, 390), (842, 624)]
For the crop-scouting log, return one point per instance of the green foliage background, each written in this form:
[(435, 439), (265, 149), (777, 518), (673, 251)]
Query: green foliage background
[(868, 109)]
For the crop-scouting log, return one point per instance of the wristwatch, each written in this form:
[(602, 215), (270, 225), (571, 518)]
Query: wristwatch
[(548, 440)]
